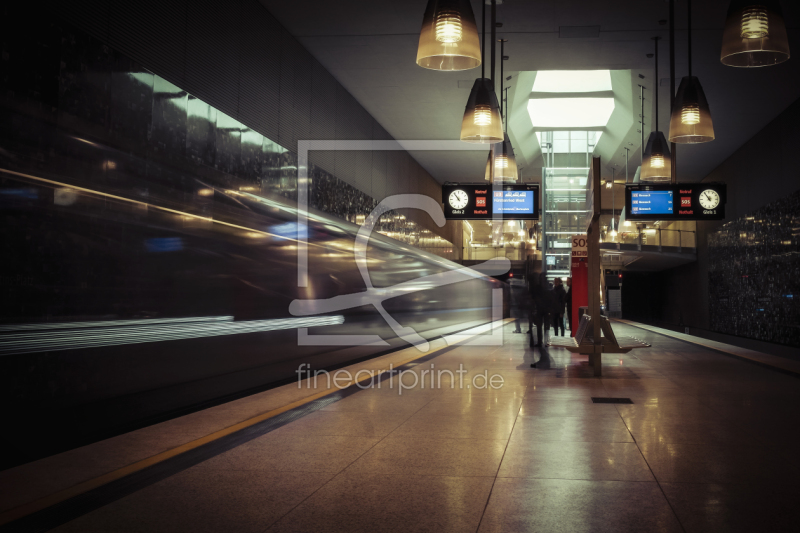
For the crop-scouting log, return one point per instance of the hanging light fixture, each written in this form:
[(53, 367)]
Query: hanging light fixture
[(691, 118), (449, 36), (754, 35), (505, 164), (657, 161), (482, 123)]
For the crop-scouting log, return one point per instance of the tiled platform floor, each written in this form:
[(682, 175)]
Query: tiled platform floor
[(709, 444)]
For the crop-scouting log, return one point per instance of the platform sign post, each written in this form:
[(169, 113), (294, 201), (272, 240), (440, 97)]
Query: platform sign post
[(593, 260)]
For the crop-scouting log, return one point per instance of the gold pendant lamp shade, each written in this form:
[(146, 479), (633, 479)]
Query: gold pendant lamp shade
[(482, 123), (691, 118), (449, 37), (505, 164), (657, 161), (754, 35)]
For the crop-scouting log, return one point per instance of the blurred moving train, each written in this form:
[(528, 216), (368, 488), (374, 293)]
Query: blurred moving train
[(126, 303)]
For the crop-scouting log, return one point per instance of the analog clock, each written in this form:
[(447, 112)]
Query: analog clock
[(458, 199), (709, 199)]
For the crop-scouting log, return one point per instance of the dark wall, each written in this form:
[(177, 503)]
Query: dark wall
[(640, 300), (235, 56), (761, 172), (63, 91), (754, 279)]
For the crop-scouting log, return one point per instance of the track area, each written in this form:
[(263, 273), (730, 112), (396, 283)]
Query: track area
[(127, 309)]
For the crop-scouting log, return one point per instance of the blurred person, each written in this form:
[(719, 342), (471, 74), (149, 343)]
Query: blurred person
[(519, 302), (569, 303), (538, 310), (559, 300)]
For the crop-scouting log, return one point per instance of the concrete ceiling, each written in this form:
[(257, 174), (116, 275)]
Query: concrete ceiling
[(370, 47)]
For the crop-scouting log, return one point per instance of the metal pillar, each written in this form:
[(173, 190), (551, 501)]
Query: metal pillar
[(672, 147), (593, 248), (641, 97)]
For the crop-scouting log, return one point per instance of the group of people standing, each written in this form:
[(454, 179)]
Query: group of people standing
[(542, 305)]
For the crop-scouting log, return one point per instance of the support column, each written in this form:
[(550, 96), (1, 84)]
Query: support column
[(593, 249)]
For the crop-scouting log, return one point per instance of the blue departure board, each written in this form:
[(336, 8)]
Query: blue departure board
[(652, 203), (513, 202)]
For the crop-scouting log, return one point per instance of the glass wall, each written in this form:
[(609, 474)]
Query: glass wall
[(676, 234), (565, 179)]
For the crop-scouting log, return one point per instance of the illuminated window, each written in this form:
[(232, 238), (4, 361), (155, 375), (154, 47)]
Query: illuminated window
[(572, 81), (570, 112)]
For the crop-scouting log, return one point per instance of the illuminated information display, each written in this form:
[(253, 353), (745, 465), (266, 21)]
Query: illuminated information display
[(513, 202), (652, 202), (675, 201), (482, 201)]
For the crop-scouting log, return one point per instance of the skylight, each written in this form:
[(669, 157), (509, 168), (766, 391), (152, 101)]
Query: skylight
[(570, 112), (572, 81)]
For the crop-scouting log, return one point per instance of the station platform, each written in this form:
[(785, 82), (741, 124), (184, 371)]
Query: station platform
[(709, 443)]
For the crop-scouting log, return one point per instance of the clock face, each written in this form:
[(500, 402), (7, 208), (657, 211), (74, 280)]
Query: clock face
[(458, 199), (709, 199)]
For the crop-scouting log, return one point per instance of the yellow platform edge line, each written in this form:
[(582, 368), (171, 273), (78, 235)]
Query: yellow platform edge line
[(85, 486)]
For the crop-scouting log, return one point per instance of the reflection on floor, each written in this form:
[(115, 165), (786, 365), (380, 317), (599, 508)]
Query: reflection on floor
[(709, 444)]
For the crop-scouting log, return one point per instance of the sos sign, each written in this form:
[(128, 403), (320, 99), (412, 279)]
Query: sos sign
[(580, 246)]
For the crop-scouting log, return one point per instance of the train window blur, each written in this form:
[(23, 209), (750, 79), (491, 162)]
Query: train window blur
[(168, 244)]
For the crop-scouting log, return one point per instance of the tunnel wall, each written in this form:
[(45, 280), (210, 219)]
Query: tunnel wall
[(235, 56), (110, 172), (761, 175)]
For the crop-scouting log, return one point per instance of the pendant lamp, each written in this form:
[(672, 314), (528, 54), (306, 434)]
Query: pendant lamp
[(691, 118), (754, 35), (482, 123), (449, 37), (505, 164), (657, 161)]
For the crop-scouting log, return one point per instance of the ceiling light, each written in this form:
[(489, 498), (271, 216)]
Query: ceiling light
[(570, 112), (449, 36), (482, 123), (505, 164), (609, 185), (572, 81), (754, 35), (656, 160), (691, 117)]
